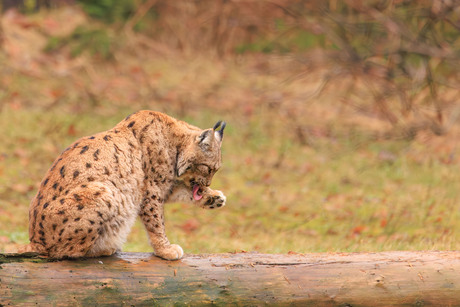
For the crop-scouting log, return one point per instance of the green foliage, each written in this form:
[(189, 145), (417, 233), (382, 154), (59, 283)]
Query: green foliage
[(109, 11), (95, 41), (29, 6)]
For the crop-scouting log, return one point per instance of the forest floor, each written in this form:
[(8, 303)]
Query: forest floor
[(304, 169)]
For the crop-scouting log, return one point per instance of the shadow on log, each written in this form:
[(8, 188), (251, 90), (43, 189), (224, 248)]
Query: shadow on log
[(357, 279)]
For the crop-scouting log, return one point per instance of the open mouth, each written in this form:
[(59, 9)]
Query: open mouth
[(196, 192)]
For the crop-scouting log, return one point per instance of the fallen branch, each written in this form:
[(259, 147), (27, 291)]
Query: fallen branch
[(364, 279)]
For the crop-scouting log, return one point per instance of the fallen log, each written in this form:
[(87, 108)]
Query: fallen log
[(356, 279)]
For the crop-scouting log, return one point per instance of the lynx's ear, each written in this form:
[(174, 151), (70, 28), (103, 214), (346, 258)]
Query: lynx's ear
[(205, 139), (219, 130)]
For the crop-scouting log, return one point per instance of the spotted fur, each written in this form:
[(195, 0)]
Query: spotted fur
[(92, 194)]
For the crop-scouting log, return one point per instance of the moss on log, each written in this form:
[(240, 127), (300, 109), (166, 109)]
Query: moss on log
[(357, 279)]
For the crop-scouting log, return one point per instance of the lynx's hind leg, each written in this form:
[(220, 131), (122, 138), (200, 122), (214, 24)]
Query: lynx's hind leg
[(88, 217), (76, 228)]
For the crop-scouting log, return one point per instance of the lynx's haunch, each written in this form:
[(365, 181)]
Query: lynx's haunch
[(92, 194)]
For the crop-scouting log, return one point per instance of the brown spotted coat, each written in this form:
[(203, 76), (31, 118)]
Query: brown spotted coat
[(92, 194)]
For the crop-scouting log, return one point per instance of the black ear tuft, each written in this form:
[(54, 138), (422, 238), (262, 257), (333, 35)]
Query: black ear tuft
[(217, 125), (219, 129)]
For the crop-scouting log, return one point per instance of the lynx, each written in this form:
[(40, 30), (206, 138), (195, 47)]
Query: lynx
[(92, 194)]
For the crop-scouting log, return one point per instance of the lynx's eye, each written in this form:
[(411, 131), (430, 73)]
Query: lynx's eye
[(204, 169)]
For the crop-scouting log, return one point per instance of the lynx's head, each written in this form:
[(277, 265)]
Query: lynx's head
[(200, 159)]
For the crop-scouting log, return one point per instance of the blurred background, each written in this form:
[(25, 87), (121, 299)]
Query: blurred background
[(343, 116)]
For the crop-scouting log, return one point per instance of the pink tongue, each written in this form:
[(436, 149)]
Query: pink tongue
[(196, 196)]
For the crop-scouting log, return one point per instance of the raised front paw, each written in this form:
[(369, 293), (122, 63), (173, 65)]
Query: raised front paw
[(170, 252), (214, 199)]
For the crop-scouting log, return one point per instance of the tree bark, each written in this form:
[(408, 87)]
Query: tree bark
[(331, 279)]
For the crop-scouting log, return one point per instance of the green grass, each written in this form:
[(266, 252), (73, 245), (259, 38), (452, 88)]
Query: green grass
[(335, 196)]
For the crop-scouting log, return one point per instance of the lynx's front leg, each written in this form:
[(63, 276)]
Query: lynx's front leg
[(153, 218), (203, 197), (208, 198)]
